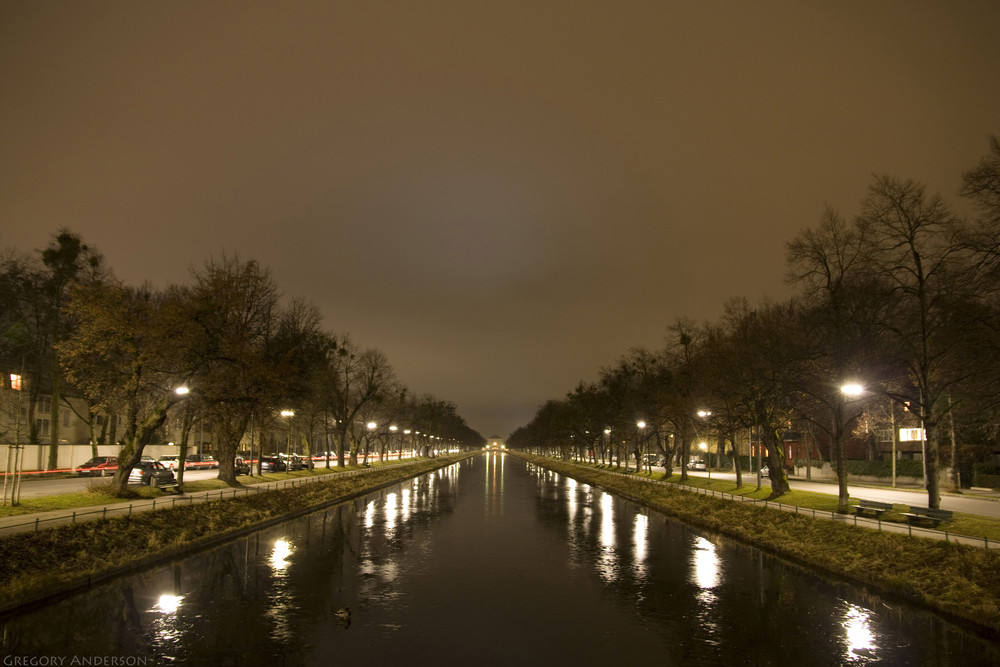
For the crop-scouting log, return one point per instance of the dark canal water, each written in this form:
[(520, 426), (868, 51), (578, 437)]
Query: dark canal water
[(487, 562)]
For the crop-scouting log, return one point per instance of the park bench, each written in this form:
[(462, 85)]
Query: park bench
[(928, 515), (169, 486), (873, 506)]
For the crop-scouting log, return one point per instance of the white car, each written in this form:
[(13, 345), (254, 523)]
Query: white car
[(171, 461)]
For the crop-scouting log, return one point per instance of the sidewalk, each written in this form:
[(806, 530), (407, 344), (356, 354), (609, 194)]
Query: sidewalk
[(974, 492)]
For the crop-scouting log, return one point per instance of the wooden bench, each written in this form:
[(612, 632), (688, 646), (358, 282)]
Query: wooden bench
[(873, 506), (927, 515), (169, 486)]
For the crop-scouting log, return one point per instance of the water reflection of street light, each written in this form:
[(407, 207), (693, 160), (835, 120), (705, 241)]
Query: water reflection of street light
[(279, 555)]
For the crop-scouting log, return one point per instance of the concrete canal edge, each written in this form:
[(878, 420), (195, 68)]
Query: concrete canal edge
[(42, 596)]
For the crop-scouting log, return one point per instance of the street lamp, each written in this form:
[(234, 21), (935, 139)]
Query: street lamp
[(392, 431), (704, 448), (852, 389), (641, 425), (287, 414), (704, 414)]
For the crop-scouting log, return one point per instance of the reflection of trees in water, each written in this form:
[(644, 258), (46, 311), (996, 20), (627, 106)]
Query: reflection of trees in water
[(230, 599)]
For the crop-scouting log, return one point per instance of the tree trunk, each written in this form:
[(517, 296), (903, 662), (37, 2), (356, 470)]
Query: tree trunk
[(54, 425), (685, 455), (186, 424), (932, 463), (131, 451), (776, 464), (843, 495)]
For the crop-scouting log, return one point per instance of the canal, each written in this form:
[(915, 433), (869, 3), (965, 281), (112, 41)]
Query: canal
[(491, 561)]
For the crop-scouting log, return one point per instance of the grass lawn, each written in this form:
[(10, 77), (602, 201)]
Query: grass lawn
[(971, 525)]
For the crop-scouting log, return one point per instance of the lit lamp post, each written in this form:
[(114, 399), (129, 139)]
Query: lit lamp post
[(704, 448), (607, 444), (848, 391), (371, 434), (392, 432), (640, 425), (705, 414), (186, 424), (288, 414)]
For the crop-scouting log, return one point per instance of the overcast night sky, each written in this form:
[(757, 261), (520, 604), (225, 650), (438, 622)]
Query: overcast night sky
[(502, 196)]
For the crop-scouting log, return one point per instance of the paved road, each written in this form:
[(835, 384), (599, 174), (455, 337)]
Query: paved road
[(34, 488), (970, 502)]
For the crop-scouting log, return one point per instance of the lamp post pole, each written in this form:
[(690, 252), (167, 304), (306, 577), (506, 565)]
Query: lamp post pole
[(288, 414), (640, 425)]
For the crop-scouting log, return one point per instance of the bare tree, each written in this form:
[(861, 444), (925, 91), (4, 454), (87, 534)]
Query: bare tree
[(912, 241)]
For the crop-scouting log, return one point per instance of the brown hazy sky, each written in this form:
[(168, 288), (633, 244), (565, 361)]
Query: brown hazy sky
[(502, 196)]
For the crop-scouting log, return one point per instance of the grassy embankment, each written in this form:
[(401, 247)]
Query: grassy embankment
[(97, 494), (956, 580), (34, 566)]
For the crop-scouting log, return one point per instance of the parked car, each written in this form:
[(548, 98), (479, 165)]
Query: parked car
[(271, 464), (147, 458), (171, 461), (151, 473), (765, 472), (99, 466), (292, 462), (698, 465), (199, 462), (240, 466)]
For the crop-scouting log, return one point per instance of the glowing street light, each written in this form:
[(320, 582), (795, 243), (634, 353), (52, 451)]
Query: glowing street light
[(288, 414), (642, 425), (852, 389)]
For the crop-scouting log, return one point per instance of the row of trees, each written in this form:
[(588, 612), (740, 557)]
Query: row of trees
[(901, 299), (240, 352)]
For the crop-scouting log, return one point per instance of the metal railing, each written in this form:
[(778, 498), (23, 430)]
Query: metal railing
[(878, 524), (64, 517)]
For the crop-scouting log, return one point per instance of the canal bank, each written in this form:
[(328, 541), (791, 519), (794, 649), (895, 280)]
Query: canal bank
[(957, 581), (37, 567), (490, 561)]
